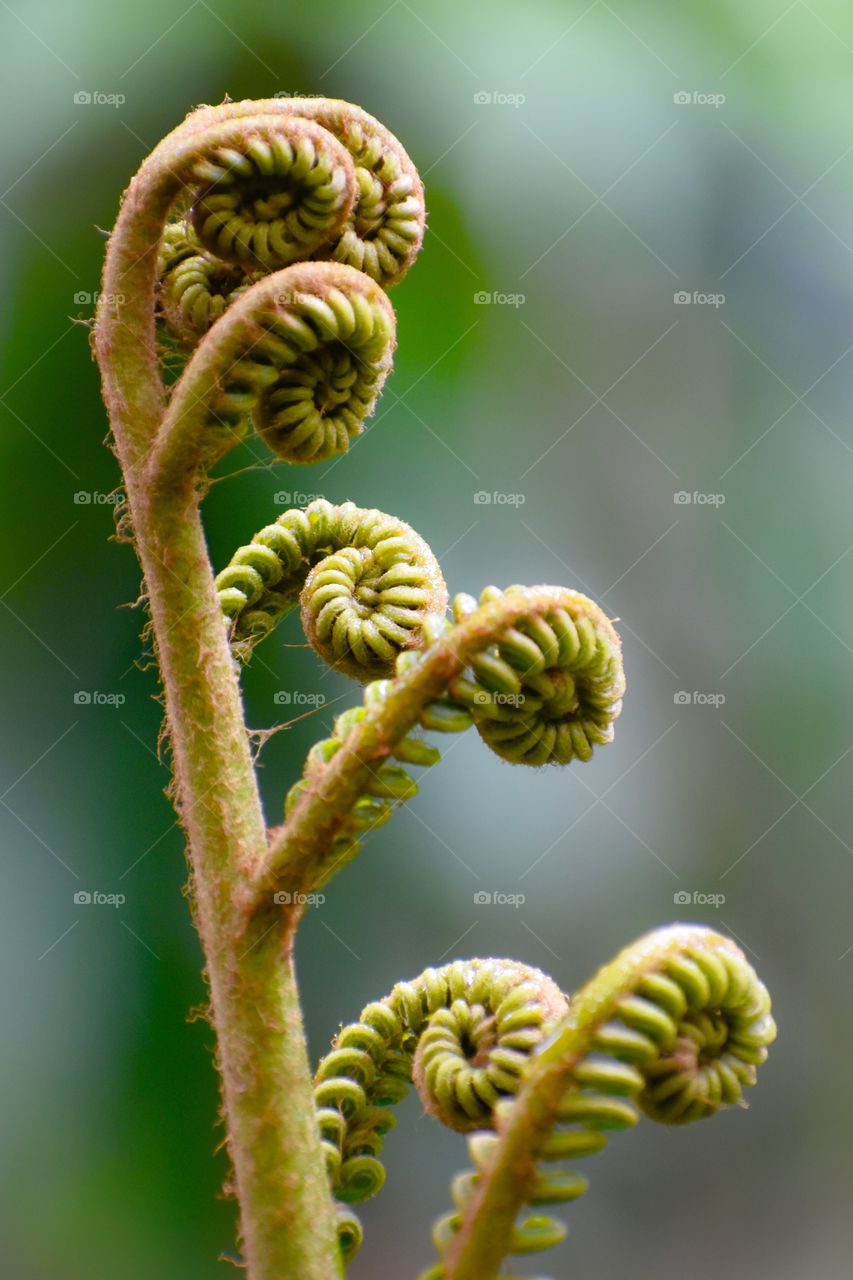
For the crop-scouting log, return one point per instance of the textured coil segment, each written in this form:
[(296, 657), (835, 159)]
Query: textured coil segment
[(550, 688), (384, 233), (463, 1033), (684, 1040), (195, 288), (309, 179), (306, 354), (275, 200), (366, 582), (384, 230)]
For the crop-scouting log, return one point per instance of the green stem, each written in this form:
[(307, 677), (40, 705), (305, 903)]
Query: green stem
[(286, 1210)]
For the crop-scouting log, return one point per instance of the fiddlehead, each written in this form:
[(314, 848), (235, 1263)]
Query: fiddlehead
[(549, 689), (302, 353), (366, 583), (526, 641), (462, 1033), (676, 1026), (239, 201)]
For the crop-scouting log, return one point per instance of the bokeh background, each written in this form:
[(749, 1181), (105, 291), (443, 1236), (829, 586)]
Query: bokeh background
[(585, 164)]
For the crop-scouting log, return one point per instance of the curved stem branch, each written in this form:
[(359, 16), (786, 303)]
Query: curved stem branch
[(297, 848), (287, 1215)]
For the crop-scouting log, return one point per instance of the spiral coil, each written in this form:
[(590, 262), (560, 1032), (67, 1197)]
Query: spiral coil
[(385, 228), (195, 288), (462, 1033), (550, 688), (308, 179), (685, 1040), (313, 363), (367, 584), (285, 192)]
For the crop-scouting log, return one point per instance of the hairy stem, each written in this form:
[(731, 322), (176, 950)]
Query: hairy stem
[(286, 1211)]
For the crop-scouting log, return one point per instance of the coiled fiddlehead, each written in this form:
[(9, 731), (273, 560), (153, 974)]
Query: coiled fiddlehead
[(366, 583), (304, 179), (549, 689), (676, 1026), (524, 640), (462, 1033), (384, 228), (302, 354)]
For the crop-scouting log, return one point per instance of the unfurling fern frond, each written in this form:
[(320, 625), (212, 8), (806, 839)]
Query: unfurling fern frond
[(367, 584), (674, 1028)]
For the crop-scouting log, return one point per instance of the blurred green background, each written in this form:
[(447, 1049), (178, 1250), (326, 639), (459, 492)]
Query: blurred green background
[(622, 155)]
